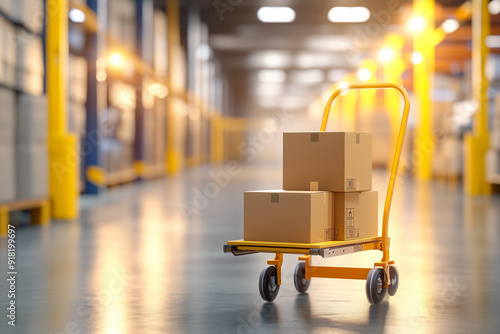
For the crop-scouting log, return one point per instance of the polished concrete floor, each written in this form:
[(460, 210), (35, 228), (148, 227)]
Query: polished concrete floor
[(147, 258)]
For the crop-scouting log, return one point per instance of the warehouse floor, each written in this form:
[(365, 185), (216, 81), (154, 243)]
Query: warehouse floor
[(147, 258)]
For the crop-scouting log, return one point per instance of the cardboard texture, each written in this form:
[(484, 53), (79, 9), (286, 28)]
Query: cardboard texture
[(495, 139), (32, 119), (493, 162), (337, 161), (288, 216), (8, 58), (30, 68), (8, 173), (7, 116), (32, 168), (355, 215)]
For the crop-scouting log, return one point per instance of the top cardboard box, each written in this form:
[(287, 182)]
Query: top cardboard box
[(327, 161)]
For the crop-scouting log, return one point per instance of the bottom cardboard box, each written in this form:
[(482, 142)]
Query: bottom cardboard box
[(32, 171), (356, 215), (8, 173), (288, 216)]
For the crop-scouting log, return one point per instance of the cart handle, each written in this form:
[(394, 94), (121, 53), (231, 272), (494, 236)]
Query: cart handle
[(397, 154)]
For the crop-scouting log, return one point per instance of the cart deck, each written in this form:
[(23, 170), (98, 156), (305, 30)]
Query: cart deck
[(324, 249)]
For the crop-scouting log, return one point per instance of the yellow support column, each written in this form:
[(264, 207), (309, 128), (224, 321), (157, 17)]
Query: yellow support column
[(392, 71), (367, 97), (174, 154), (423, 146), (476, 143), (63, 156), (346, 105)]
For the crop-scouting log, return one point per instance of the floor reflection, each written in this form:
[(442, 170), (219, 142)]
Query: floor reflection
[(136, 263)]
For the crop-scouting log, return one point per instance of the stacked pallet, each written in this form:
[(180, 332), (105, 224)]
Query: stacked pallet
[(327, 182)]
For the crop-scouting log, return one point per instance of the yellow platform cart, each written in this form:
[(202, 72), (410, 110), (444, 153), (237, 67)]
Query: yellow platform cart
[(377, 281)]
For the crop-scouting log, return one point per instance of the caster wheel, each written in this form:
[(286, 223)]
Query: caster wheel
[(268, 284), (375, 286), (393, 271), (299, 278)]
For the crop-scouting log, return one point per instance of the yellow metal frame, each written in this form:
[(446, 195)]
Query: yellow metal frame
[(382, 243)]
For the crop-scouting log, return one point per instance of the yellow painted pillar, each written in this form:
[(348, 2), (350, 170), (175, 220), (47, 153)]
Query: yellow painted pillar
[(367, 97), (217, 139), (392, 71), (174, 153), (423, 146), (63, 157), (477, 143), (347, 105)]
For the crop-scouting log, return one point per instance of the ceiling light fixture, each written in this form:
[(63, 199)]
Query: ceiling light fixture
[(416, 58), (364, 74), (276, 14), (348, 14), (494, 7), (385, 54), (416, 23), (76, 15), (450, 25)]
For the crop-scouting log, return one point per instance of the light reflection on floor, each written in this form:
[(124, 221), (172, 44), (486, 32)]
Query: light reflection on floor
[(148, 258)]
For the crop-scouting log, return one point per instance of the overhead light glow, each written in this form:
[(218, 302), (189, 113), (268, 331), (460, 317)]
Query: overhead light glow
[(385, 54), (276, 14), (492, 41), (101, 76), (450, 25), (270, 59), (494, 7), (416, 23), (343, 85), (271, 75), (116, 59), (204, 52), (416, 58), (348, 14), (364, 74), (76, 15), (158, 90)]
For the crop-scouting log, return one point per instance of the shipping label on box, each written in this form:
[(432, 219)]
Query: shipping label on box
[(288, 216), (355, 215), (327, 161)]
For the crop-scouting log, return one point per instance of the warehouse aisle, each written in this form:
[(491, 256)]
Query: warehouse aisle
[(147, 258)]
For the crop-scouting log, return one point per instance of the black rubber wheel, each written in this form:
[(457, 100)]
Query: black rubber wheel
[(393, 271), (375, 286), (299, 278), (268, 283)]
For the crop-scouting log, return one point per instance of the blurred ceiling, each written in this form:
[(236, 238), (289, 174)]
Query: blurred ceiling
[(308, 55)]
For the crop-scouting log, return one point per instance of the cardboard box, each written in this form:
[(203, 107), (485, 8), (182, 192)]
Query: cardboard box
[(495, 139), (8, 173), (32, 118), (355, 215), (288, 216), (7, 116), (30, 13), (493, 162), (329, 161), (32, 168)]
